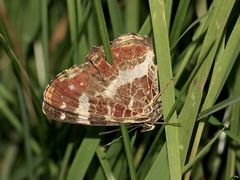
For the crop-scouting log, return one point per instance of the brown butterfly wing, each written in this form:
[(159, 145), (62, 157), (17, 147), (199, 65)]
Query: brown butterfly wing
[(97, 93)]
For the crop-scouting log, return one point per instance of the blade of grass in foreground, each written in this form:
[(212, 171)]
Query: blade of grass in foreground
[(84, 154), (160, 32), (112, 154), (160, 165), (142, 170), (103, 30), (104, 163), (127, 146)]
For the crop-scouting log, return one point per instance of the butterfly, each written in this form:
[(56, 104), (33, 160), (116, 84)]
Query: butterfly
[(97, 93)]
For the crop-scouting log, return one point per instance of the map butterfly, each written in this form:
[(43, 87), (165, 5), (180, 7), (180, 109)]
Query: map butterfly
[(97, 93)]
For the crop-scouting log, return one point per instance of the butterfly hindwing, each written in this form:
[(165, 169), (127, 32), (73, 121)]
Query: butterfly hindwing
[(97, 93)]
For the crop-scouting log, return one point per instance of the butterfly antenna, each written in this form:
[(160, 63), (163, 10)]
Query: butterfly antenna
[(134, 127), (117, 130), (108, 132), (169, 123), (120, 137), (113, 141)]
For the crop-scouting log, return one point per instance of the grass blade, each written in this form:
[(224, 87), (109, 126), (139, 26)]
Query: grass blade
[(65, 161), (103, 30), (104, 163), (116, 17), (44, 21), (160, 31), (178, 20), (132, 16), (127, 146), (203, 152), (84, 155)]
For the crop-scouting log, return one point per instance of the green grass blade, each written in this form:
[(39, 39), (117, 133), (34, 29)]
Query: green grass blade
[(91, 28), (160, 165), (168, 12), (190, 28), (116, 17), (103, 30), (185, 60), (204, 23), (160, 31), (179, 20), (17, 67), (82, 39), (27, 144), (44, 21), (40, 62), (129, 155), (231, 134), (202, 153), (149, 157), (66, 158), (19, 72), (112, 154), (218, 107), (146, 27), (104, 163), (84, 155), (6, 94), (121, 168), (73, 24), (156, 139), (132, 16), (224, 65)]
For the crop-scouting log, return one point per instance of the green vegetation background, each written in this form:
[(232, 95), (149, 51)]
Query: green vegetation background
[(197, 46)]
